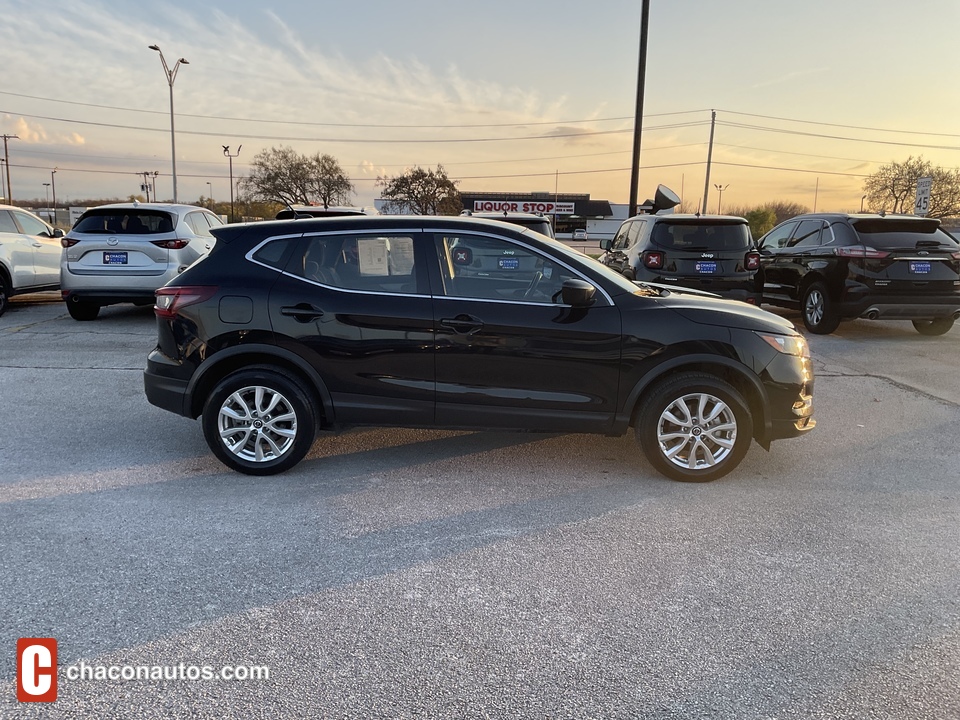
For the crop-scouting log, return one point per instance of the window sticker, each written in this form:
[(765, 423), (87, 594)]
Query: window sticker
[(373, 256), (401, 256), (462, 256)]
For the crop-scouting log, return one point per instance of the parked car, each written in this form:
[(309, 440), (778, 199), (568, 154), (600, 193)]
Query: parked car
[(29, 254), (535, 221), (122, 253), (294, 212), (579, 234), (288, 327), (836, 266), (715, 253)]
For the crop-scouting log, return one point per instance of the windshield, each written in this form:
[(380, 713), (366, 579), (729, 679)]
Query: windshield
[(701, 236), (609, 275)]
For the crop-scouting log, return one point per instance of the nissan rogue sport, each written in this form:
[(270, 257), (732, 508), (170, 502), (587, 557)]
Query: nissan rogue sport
[(288, 327)]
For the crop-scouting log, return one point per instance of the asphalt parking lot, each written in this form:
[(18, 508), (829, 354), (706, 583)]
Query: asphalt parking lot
[(400, 573)]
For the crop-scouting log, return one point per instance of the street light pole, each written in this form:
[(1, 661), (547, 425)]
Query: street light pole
[(226, 152), (861, 202), (720, 188), (46, 191), (53, 184), (171, 76), (210, 195)]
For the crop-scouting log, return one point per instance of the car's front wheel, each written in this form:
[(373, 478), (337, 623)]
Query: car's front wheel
[(819, 312), (259, 421), (937, 326), (694, 427)]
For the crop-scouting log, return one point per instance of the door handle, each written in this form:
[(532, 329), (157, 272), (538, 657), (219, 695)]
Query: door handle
[(462, 324), (302, 312)]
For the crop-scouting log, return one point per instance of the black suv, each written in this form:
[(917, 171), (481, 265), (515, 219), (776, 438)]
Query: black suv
[(835, 266), (706, 252), (293, 326)]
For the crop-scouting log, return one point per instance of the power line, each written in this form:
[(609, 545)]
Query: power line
[(552, 136), (850, 127), (350, 125), (836, 137)]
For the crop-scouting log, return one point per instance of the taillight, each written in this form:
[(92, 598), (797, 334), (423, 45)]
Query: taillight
[(653, 259), (68, 242), (861, 251), (955, 256), (170, 300), (752, 261), (177, 244)]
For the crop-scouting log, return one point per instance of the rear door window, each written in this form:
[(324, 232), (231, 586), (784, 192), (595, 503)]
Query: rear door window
[(198, 223), (807, 234), (365, 262)]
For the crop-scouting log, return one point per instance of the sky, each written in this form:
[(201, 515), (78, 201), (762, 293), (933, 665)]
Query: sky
[(523, 96)]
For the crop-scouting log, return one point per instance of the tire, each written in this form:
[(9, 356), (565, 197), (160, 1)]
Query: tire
[(937, 326), (80, 310), (245, 398), (706, 407), (4, 294), (820, 314)]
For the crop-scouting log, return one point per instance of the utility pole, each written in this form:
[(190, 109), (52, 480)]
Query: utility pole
[(706, 183), (6, 155), (638, 120), (53, 184), (226, 151)]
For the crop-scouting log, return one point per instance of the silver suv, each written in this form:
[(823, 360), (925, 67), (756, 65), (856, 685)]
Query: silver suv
[(535, 221), (122, 253)]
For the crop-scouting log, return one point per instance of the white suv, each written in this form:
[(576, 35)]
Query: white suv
[(29, 254), (124, 252)]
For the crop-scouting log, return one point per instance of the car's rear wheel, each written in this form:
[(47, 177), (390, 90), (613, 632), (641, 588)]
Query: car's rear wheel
[(82, 310), (937, 326), (820, 314), (4, 294), (259, 421), (694, 427)]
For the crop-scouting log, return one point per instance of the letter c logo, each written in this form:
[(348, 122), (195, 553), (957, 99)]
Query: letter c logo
[(36, 669)]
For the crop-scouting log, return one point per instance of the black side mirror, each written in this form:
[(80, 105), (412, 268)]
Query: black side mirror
[(58, 233), (606, 243), (578, 293)]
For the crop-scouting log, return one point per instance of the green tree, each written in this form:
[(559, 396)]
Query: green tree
[(281, 175), (421, 192), (893, 188), (762, 220)]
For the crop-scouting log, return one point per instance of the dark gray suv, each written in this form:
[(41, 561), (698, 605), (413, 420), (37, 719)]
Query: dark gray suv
[(715, 253)]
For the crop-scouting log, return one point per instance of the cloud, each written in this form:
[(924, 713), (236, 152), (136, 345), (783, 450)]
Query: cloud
[(790, 77)]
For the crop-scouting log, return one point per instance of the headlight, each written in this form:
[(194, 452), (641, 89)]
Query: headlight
[(788, 344)]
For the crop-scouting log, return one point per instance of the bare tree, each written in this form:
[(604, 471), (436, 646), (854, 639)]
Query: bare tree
[(421, 192), (283, 176), (893, 188)]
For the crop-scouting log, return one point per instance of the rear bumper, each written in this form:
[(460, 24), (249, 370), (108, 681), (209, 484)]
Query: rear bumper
[(880, 307), (161, 386), (109, 297)]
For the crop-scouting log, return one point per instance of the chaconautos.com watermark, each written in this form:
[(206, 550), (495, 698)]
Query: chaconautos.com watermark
[(37, 671)]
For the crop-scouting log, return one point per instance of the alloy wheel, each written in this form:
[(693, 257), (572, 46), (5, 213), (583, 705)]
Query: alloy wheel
[(257, 424), (697, 431)]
